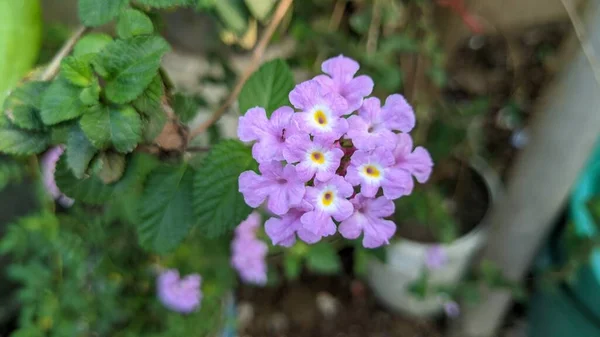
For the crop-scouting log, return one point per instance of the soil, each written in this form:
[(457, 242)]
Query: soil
[(323, 306)]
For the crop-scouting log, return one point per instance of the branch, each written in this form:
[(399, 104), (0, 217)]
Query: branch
[(373, 34), (254, 62), (54, 65)]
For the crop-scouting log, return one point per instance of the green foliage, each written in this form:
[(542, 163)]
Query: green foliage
[(109, 166), (166, 208), (323, 258), (166, 3), (61, 102), (260, 8), (12, 171), (233, 14), (77, 70), (79, 152), (89, 190), (132, 23), (292, 266), (218, 204), (268, 87), (121, 127), (22, 142), (96, 13), (91, 44), (23, 105), (128, 66), (90, 96), (149, 105), (185, 107)]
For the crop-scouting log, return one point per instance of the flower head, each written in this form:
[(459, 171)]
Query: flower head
[(375, 169), (329, 200), (417, 162), (248, 252), (435, 258), (283, 231), (279, 184), (340, 79), (269, 134), (315, 157), (373, 125), (320, 111), (180, 295), (452, 309), (368, 218), (48, 163)]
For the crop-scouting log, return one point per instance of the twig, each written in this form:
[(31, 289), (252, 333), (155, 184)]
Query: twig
[(373, 34), (336, 15), (54, 65), (580, 31), (254, 62)]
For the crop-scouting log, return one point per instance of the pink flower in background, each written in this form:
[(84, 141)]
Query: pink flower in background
[(417, 162), (340, 79), (179, 294), (435, 258), (48, 163), (375, 169), (314, 157), (248, 252), (368, 219), (270, 135), (279, 184), (320, 111), (329, 200), (452, 309)]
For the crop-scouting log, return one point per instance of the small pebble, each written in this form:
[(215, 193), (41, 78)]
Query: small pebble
[(245, 314), (476, 42), (327, 304)]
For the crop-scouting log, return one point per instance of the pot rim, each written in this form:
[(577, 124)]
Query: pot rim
[(493, 186)]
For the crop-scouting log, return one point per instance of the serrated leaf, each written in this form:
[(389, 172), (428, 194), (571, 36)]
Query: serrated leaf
[(218, 204), (132, 23), (61, 102), (323, 258), (150, 100), (88, 190), (268, 87), (22, 142), (166, 208), (109, 166), (128, 66), (121, 127), (77, 70), (260, 8), (185, 107), (23, 105), (79, 152), (98, 12), (91, 44), (165, 3), (91, 95), (153, 124)]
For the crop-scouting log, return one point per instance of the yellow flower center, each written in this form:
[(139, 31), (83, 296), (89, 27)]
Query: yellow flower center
[(317, 157), (372, 171), (320, 117), (327, 198)]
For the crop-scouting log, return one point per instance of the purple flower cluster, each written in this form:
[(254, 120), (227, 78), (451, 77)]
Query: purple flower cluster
[(248, 252), (179, 294), (48, 165), (334, 163)]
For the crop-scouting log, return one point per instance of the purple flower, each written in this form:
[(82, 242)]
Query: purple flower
[(277, 183), (315, 157), (248, 227), (341, 80), (283, 231), (270, 135), (375, 169), (180, 295), (368, 218), (48, 163), (320, 111), (248, 252), (328, 200), (369, 128), (452, 309), (417, 162), (435, 258)]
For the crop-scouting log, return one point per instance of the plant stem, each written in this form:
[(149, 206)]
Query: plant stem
[(257, 54), (373, 34), (52, 68)]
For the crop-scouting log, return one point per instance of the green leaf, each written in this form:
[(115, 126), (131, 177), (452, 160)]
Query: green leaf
[(79, 152), (166, 208), (149, 102), (77, 71), (128, 66), (89, 190), (133, 22), (260, 8), (185, 107), (98, 12), (91, 95), (361, 260), (22, 142), (292, 265), (109, 166), (23, 105), (233, 15), (61, 102), (218, 204), (268, 87), (165, 3), (91, 44), (323, 258), (120, 126)]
